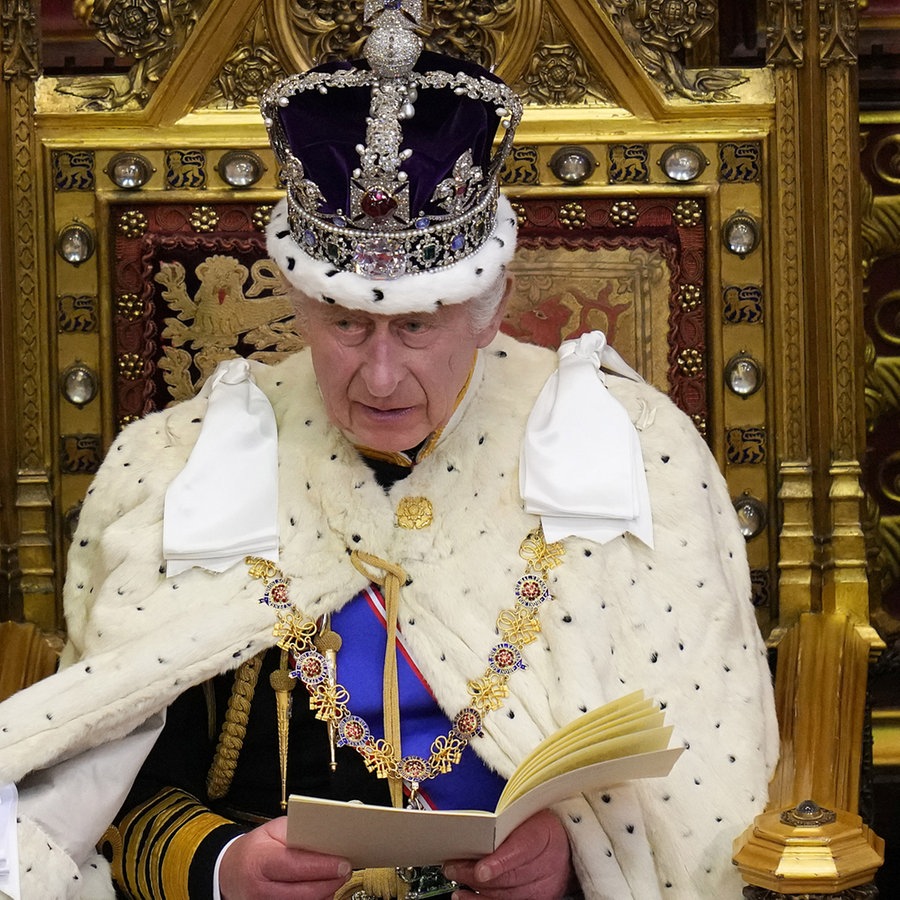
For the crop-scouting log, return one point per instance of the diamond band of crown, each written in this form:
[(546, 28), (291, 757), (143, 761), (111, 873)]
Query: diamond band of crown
[(391, 254), (380, 234)]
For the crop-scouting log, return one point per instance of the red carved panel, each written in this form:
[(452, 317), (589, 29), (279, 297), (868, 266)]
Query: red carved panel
[(192, 285)]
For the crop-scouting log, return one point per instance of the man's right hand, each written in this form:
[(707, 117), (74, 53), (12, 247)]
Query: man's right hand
[(260, 864)]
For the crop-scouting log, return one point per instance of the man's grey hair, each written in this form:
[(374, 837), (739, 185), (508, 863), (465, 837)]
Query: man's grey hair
[(483, 307)]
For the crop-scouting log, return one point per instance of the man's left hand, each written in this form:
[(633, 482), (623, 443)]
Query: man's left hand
[(533, 863)]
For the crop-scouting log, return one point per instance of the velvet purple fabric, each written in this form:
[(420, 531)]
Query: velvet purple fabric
[(323, 131)]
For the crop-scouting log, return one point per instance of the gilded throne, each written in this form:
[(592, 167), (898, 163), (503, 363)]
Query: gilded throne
[(670, 200)]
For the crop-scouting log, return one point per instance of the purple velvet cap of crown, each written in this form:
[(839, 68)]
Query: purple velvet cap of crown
[(323, 132)]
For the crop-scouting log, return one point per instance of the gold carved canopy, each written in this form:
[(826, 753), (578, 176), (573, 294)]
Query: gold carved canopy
[(628, 249)]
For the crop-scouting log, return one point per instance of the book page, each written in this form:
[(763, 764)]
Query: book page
[(623, 740), (375, 836), (626, 745), (632, 714), (594, 777), (381, 836)]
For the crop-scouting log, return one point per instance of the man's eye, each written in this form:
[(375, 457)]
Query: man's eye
[(415, 326)]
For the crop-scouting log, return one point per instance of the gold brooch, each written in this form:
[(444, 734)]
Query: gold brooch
[(414, 512)]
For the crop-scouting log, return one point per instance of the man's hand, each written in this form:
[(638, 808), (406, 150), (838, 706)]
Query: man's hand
[(533, 863), (259, 864)]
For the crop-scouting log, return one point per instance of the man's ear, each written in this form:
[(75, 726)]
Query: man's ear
[(489, 332)]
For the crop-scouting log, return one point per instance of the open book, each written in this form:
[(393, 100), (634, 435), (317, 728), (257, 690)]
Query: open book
[(623, 740)]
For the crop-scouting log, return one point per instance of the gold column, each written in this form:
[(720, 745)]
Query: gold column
[(824, 640), (822, 554), (25, 375)]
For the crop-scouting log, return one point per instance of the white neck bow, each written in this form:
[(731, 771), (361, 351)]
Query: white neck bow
[(223, 505), (581, 468)]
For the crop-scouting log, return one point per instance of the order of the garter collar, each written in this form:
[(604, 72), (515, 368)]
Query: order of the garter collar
[(517, 626)]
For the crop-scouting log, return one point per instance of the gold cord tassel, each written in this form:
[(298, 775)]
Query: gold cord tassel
[(283, 684), (390, 582), (234, 728), (328, 643), (384, 884)]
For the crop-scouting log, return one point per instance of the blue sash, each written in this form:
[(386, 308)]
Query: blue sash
[(362, 625)]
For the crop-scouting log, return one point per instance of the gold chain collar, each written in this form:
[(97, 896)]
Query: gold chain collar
[(518, 626)]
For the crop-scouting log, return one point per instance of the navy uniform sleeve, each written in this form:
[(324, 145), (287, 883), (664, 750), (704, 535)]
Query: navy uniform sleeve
[(166, 841)]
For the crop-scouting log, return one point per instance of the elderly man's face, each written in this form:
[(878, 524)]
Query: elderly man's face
[(389, 381)]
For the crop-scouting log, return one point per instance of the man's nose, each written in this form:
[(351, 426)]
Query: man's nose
[(383, 368)]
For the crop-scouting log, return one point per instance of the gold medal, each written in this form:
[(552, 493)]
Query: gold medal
[(414, 513)]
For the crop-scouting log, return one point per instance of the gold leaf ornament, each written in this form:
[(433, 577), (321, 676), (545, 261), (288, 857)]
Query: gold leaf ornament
[(518, 626), (541, 556), (294, 633), (488, 692), (414, 513)]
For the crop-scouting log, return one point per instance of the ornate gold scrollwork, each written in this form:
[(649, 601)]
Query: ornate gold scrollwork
[(880, 221), (880, 229), (889, 477), (837, 31), (785, 32), (249, 69), (886, 159), (558, 73), (335, 30), (150, 31), (656, 30), (886, 317), (880, 232), (304, 33), (19, 43), (212, 320)]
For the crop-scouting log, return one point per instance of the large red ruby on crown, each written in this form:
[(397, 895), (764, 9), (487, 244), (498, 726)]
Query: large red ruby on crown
[(377, 203)]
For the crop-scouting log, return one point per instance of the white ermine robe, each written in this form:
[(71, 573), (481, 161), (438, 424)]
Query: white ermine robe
[(675, 621)]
